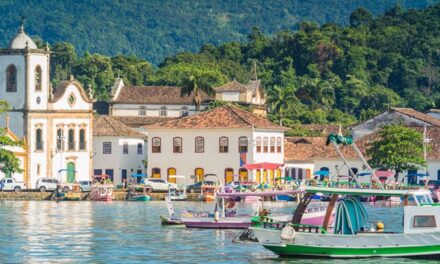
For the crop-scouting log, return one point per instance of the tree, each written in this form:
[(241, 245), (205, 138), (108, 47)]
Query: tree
[(279, 99), (398, 148), (195, 84), (8, 162), (359, 17)]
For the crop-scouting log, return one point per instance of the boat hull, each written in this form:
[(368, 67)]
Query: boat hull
[(372, 252), (169, 221), (364, 245), (140, 198)]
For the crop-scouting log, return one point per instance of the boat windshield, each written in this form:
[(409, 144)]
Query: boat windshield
[(424, 199)]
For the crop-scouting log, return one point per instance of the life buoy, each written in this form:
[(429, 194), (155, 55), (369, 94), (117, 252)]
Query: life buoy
[(230, 204), (288, 233)]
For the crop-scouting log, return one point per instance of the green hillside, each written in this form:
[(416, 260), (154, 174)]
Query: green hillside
[(153, 29), (317, 74)]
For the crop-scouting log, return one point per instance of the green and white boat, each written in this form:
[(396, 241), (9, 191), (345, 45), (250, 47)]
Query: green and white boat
[(350, 237), (139, 193)]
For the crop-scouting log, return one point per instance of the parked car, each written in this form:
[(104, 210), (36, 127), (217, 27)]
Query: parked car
[(159, 184), (85, 186), (46, 184), (10, 184), (196, 187)]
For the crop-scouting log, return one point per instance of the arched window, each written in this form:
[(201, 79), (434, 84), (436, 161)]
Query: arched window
[(11, 78), (39, 139), (177, 145), (60, 139), (354, 170), (272, 145), (242, 144), (279, 143), (71, 139), (223, 145), (156, 145), (155, 172), (142, 111), (199, 144), (184, 111), (171, 172), (229, 175), (38, 84), (163, 111), (258, 143), (82, 139), (265, 145)]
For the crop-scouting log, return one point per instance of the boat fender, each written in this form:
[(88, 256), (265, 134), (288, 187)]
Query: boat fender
[(288, 233), (216, 216)]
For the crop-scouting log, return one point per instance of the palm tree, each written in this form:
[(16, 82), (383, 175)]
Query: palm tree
[(280, 99), (196, 84)]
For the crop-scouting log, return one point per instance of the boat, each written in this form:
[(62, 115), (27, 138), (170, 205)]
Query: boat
[(351, 236), (74, 194), (171, 219), (101, 189), (177, 193), (65, 194), (139, 193), (208, 191), (224, 216)]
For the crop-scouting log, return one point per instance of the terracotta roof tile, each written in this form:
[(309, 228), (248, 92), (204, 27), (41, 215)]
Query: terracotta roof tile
[(324, 128), (232, 86), (418, 115), (310, 148), (156, 95), (221, 117), (109, 126), (139, 121)]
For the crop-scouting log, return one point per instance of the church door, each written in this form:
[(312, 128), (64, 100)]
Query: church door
[(70, 172)]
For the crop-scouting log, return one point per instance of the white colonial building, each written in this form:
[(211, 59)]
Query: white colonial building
[(55, 125), (119, 151), (153, 101), (220, 141)]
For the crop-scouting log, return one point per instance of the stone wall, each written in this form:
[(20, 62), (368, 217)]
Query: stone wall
[(41, 196)]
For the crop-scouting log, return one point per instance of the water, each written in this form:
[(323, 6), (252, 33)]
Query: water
[(130, 232)]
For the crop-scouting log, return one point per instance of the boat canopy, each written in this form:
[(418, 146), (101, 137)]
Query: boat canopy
[(263, 165), (363, 192), (260, 194), (322, 173), (384, 174)]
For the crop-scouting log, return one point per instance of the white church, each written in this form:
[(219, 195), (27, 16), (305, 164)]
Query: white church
[(56, 125)]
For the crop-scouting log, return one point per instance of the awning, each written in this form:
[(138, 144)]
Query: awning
[(384, 173), (322, 173), (138, 175), (263, 165)]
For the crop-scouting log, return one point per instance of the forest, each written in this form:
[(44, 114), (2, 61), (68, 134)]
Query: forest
[(153, 30), (317, 74)]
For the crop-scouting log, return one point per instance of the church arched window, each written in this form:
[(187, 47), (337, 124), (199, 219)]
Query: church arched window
[(11, 78), (38, 84)]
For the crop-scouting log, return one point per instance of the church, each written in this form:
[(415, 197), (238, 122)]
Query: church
[(55, 124)]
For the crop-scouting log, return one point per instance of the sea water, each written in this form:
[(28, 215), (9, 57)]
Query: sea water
[(130, 232)]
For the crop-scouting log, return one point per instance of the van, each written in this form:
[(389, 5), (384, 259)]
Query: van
[(46, 184)]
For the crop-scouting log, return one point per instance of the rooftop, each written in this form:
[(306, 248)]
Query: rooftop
[(156, 95), (310, 148), (107, 126), (232, 86), (418, 115), (138, 121), (221, 117)]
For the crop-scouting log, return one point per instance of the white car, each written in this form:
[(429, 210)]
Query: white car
[(9, 184), (85, 186), (159, 184), (46, 184)]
